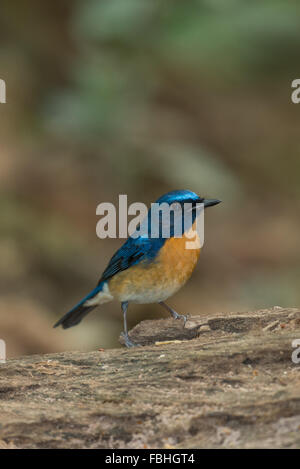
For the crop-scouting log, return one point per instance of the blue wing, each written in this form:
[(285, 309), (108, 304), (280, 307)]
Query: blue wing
[(133, 251)]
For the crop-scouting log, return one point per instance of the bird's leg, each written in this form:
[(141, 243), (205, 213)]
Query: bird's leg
[(173, 313), (128, 342)]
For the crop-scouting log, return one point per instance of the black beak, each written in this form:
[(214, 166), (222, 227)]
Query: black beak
[(211, 202)]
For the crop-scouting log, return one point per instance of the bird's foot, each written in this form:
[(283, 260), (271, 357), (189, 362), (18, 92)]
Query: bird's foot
[(179, 316), (128, 342)]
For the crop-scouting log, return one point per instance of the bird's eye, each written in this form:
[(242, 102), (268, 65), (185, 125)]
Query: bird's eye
[(176, 206)]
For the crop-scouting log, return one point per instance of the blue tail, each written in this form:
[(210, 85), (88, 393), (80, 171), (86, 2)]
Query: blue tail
[(79, 311)]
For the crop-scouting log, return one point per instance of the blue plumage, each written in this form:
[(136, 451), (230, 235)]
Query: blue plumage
[(182, 196), (135, 250), (131, 253)]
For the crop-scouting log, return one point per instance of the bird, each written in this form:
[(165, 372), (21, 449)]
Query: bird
[(147, 269)]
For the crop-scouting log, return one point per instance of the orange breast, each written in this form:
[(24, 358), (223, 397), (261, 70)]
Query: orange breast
[(177, 261), (158, 280)]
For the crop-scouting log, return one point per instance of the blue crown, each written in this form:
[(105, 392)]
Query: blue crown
[(179, 196)]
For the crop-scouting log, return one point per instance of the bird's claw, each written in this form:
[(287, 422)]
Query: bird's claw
[(128, 342), (180, 316)]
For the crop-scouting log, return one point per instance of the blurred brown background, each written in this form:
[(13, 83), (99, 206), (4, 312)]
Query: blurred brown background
[(140, 97)]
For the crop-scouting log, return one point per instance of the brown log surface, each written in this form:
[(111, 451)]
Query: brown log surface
[(226, 380)]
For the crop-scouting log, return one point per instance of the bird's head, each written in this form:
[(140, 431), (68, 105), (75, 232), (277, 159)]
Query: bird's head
[(174, 212), (183, 207), (186, 197)]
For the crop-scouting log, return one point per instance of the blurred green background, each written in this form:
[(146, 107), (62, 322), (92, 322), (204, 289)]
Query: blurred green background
[(140, 97)]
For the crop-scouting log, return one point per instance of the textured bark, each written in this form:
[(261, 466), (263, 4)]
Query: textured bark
[(223, 381)]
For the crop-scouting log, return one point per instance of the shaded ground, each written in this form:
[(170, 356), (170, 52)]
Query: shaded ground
[(224, 382)]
